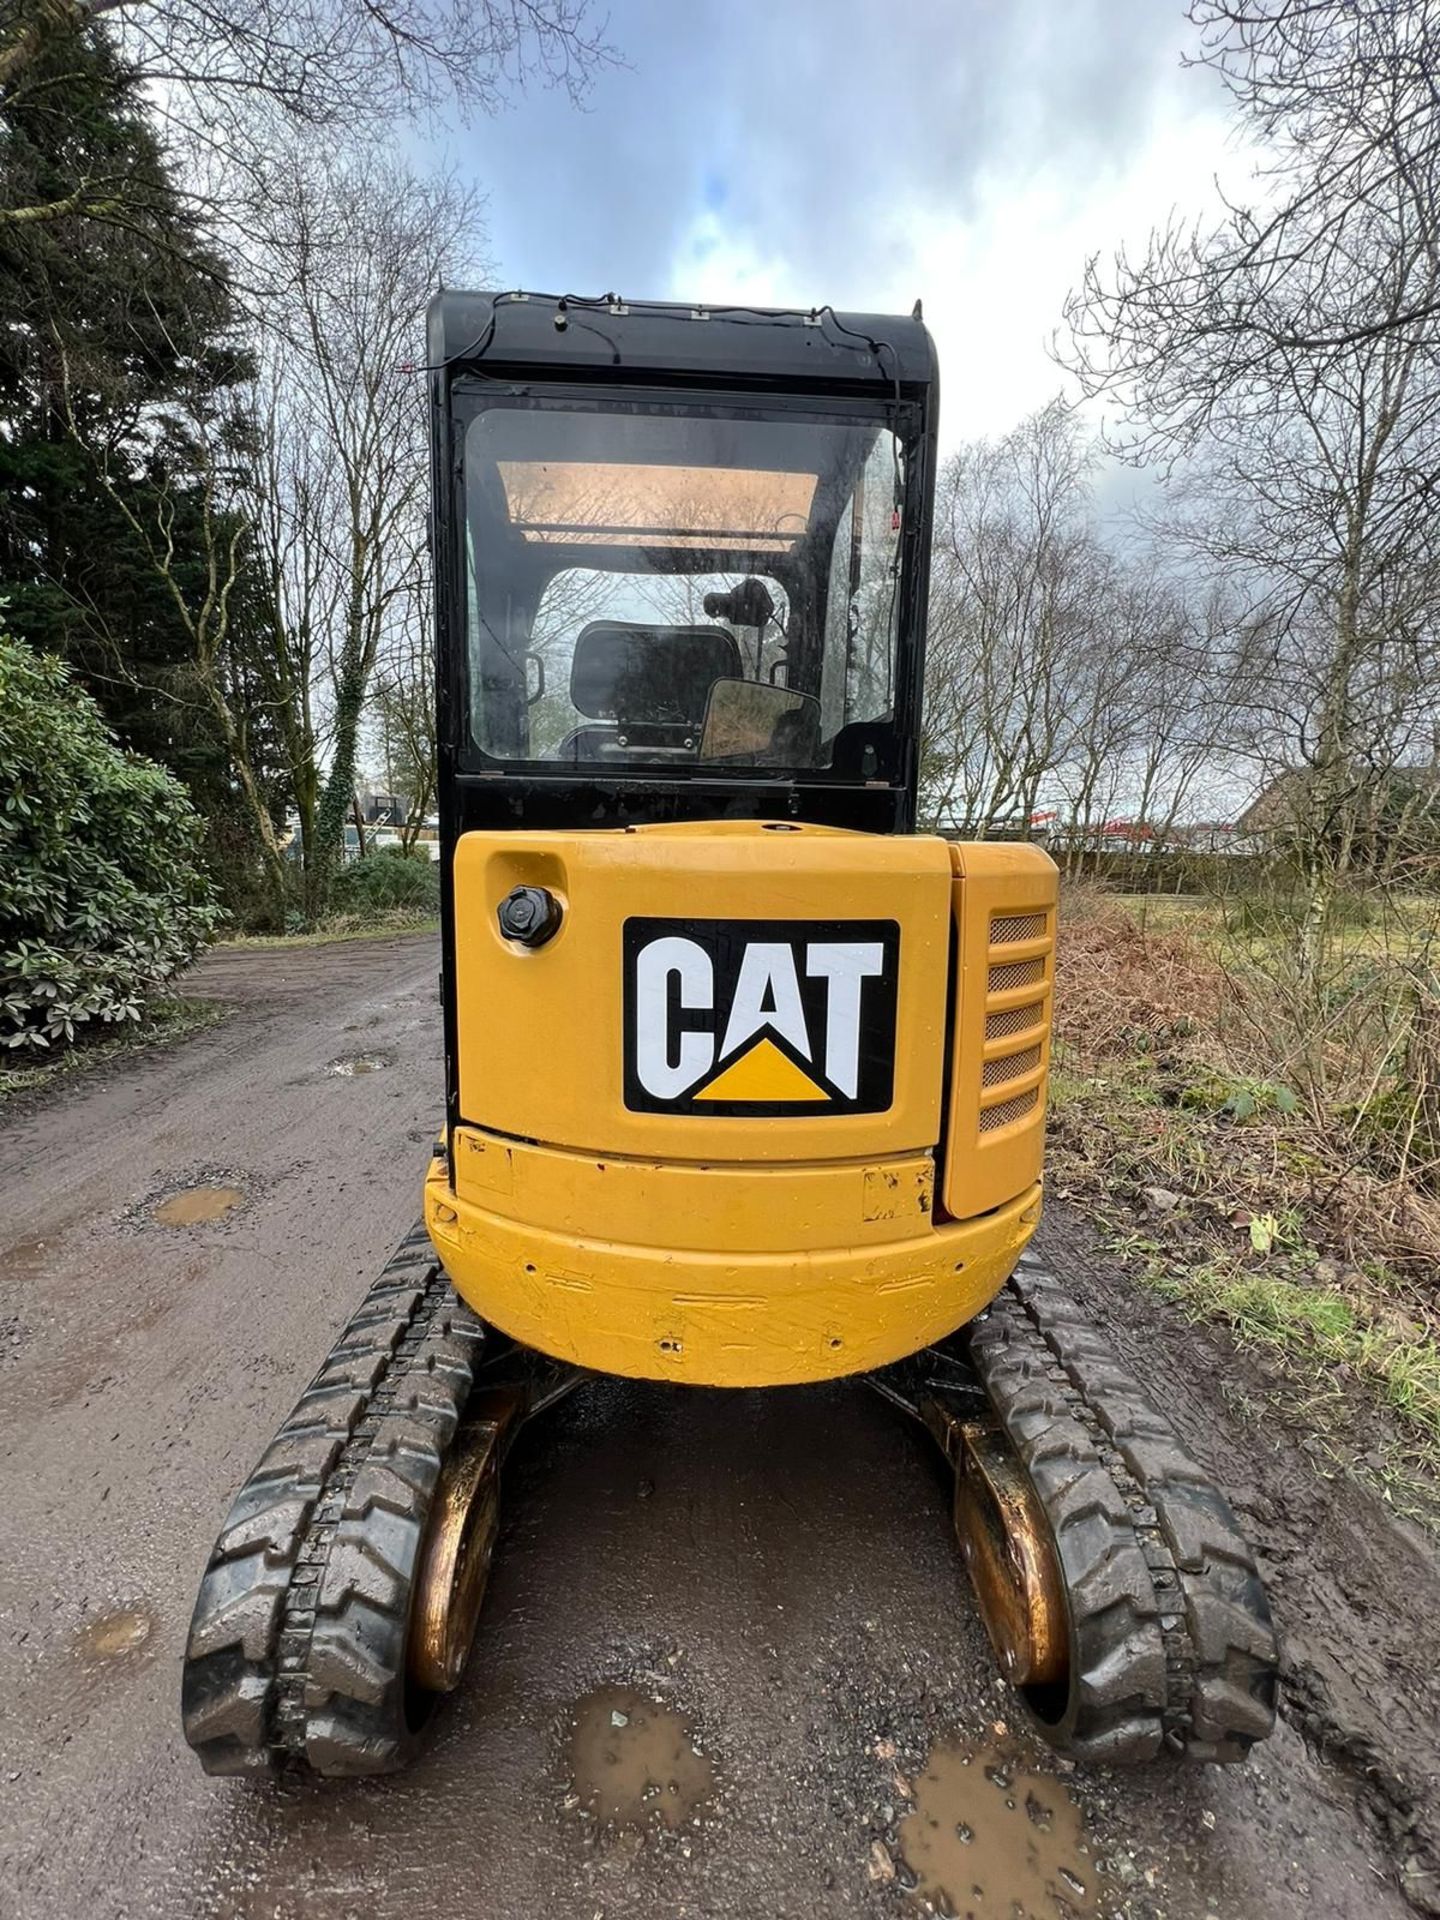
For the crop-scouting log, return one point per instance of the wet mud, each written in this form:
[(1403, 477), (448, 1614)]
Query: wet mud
[(1355, 1590), (770, 1580), (198, 1206), (633, 1762), (25, 1258), (988, 1836), (185, 1194), (115, 1635)]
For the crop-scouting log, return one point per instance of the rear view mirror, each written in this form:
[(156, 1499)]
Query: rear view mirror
[(749, 723)]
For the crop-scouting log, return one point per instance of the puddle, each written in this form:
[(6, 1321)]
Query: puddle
[(28, 1257), (196, 1206), (349, 1065), (112, 1635), (633, 1762), (990, 1840)]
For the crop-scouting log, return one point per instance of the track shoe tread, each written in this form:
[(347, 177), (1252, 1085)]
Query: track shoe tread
[(297, 1645), (1171, 1637)]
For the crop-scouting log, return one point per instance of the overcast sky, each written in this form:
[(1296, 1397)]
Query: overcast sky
[(793, 152)]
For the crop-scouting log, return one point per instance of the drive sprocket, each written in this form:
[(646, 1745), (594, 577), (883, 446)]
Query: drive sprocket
[(1169, 1640), (300, 1651)]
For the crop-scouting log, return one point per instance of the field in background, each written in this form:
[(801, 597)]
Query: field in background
[(1265, 1150)]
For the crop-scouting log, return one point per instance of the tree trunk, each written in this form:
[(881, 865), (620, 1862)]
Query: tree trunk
[(338, 794), (1326, 835)]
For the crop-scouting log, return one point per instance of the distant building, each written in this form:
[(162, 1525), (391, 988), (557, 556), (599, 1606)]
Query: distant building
[(382, 809), (1402, 804), (1209, 836)]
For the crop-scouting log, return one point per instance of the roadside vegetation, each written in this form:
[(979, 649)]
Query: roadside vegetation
[(1264, 1149), (214, 584), (389, 890), (166, 1019), (1236, 686), (104, 893), (215, 257)]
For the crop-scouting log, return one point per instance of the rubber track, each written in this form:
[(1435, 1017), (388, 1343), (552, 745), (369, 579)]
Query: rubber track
[(1172, 1645), (297, 1644)]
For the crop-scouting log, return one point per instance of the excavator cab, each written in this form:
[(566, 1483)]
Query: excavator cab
[(745, 1078), (792, 1127)]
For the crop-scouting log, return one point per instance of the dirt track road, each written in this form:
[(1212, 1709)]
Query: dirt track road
[(778, 1567)]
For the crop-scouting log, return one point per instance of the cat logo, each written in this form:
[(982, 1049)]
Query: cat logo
[(760, 1017)]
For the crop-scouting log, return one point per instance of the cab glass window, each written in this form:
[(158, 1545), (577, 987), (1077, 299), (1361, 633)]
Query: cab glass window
[(682, 587)]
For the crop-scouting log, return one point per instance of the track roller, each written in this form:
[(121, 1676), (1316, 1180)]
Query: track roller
[(1117, 1591), (341, 1598)]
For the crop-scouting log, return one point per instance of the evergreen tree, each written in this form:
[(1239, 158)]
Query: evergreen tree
[(118, 329)]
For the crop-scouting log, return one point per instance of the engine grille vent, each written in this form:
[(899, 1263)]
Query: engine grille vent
[(1023, 1026), (1006, 929), (996, 1072), (999, 1026), (1016, 973), (1008, 1110)]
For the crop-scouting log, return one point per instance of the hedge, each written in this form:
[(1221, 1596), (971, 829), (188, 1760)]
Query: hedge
[(103, 891)]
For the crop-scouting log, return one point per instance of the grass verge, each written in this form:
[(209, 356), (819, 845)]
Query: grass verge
[(172, 1018), (341, 927), (1239, 1200)]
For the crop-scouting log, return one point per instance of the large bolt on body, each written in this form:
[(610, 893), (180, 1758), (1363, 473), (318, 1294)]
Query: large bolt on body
[(529, 915)]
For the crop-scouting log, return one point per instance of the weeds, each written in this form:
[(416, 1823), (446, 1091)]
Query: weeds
[(1266, 1158), (340, 926)]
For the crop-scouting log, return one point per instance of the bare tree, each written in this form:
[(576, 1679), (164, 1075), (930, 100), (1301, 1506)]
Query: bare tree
[(218, 64), (293, 503), (403, 709), (1016, 584), (230, 81), (1316, 492), (202, 586), (1340, 99), (1062, 661), (363, 243), (1286, 360), (1134, 704), (1181, 694)]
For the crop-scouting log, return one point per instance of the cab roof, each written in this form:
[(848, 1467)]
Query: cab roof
[(558, 336)]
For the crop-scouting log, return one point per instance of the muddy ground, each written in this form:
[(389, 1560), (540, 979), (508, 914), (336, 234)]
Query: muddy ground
[(759, 1592)]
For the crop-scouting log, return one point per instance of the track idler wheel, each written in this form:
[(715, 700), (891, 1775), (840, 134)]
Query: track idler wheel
[(1010, 1556), (1113, 1580), (459, 1546)]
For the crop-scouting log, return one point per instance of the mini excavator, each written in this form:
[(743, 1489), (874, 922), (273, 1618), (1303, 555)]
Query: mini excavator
[(745, 1078)]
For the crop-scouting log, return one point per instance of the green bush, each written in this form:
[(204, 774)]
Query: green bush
[(103, 890), (388, 881)]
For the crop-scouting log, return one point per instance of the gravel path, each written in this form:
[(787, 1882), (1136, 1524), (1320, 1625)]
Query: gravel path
[(775, 1568)]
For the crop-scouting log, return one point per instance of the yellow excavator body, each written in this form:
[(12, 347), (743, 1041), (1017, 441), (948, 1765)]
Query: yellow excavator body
[(744, 1078), (767, 1108)]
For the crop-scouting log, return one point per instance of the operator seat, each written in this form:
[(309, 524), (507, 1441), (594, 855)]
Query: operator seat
[(647, 685)]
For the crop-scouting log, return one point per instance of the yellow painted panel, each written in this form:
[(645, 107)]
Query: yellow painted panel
[(722, 1318), (540, 1030), (1005, 905), (681, 1207)]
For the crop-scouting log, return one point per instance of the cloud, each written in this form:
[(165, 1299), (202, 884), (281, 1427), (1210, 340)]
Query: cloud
[(861, 153)]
